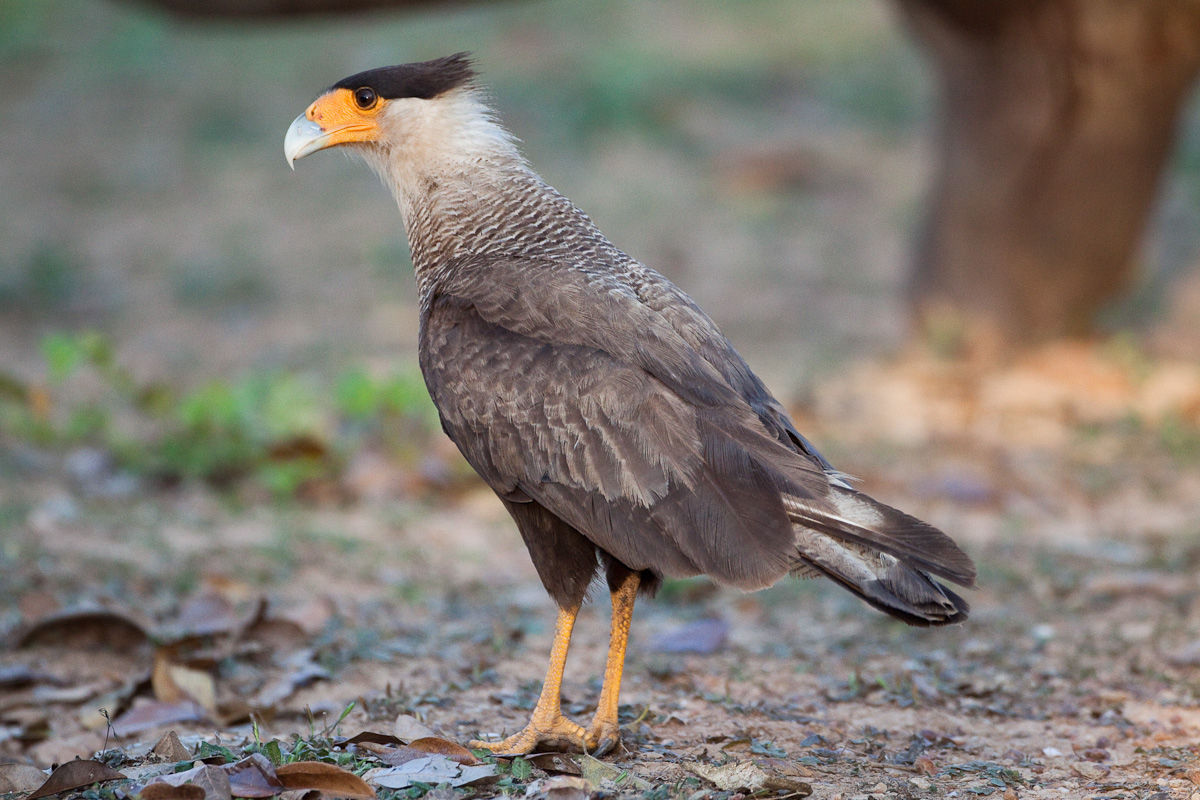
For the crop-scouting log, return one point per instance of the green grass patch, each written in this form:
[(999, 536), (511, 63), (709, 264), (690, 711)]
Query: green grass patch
[(280, 430)]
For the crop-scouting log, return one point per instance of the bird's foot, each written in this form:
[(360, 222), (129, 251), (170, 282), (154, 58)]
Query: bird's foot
[(557, 734), (602, 736)]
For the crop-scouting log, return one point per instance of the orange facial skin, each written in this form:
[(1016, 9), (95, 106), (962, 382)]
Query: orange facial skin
[(343, 120)]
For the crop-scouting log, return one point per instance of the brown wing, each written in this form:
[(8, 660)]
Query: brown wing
[(652, 479), (614, 401), (637, 316)]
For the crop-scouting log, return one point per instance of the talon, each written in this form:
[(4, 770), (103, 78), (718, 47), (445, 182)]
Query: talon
[(548, 729), (603, 735), (604, 748), (557, 734)]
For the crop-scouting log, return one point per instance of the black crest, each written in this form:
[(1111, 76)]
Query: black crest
[(424, 79)]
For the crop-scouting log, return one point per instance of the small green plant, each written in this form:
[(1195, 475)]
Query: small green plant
[(209, 750), (279, 430), (522, 770)]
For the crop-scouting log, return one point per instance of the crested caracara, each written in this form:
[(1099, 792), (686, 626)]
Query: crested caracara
[(619, 428)]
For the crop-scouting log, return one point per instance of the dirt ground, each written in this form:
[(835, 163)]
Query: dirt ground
[(1074, 677)]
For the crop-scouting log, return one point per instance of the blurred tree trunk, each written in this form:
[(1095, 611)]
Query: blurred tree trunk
[(1057, 117)]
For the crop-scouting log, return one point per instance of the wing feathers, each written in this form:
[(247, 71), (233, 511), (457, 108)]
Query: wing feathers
[(661, 447)]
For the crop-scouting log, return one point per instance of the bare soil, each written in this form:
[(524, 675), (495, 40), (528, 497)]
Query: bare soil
[(1074, 677)]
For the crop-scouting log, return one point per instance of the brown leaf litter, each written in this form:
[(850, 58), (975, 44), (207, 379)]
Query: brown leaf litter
[(75, 775), (328, 778), (1072, 678)]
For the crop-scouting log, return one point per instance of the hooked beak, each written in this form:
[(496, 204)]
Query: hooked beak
[(333, 119), (304, 137)]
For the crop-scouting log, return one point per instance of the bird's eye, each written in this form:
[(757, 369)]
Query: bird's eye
[(365, 97)]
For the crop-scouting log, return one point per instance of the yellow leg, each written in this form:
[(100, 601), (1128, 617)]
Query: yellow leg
[(604, 733), (547, 727)]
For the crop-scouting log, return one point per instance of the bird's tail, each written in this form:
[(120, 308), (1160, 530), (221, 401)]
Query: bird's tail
[(883, 555)]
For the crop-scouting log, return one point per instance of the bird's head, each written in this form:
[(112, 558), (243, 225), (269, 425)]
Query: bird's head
[(410, 108)]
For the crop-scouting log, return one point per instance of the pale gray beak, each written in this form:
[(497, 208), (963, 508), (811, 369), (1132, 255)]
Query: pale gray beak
[(303, 137)]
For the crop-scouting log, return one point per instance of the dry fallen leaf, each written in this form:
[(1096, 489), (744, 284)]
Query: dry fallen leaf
[(560, 787), (394, 756), (301, 794), (433, 745), (174, 683), (205, 614), (212, 780), (153, 714), (20, 778), (301, 670), (160, 790), (74, 775), (432, 769), (408, 728), (925, 766), (88, 629), (747, 775), (253, 776), (781, 766), (597, 772), (384, 739), (276, 634), (141, 774), (427, 769), (730, 777), (325, 777), (169, 748), (554, 763), (378, 750)]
